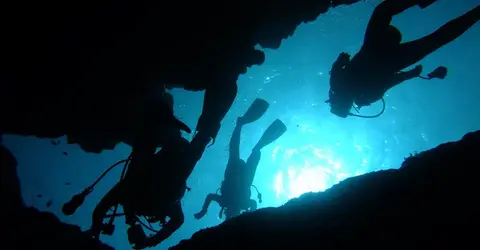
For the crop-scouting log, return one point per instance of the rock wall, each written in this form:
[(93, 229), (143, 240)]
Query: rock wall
[(78, 72), (430, 202)]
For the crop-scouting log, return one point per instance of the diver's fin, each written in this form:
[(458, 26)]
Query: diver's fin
[(439, 72), (255, 111), (180, 125), (273, 132)]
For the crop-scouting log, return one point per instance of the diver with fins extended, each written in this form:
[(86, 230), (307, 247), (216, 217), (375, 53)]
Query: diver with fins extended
[(235, 190), (379, 64), (151, 186)]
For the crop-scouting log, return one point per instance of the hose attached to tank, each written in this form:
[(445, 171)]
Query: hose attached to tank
[(371, 116), (259, 195), (77, 200), (124, 171)]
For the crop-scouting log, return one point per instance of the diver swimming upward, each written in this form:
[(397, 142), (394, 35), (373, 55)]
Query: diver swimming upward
[(378, 66), (235, 190), (152, 187)]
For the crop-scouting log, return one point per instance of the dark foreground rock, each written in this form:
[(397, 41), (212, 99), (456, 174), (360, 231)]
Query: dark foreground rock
[(431, 202), (79, 68), (28, 228)]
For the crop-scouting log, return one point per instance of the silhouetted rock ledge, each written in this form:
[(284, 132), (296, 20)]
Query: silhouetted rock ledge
[(28, 228), (81, 71), (430, 202)]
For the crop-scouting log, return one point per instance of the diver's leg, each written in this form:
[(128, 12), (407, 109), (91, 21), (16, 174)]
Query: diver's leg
[(211, 197), (404, 76), (412, 52), (234, 148), (381, 18), (234, 151), (271, 134), (109, 200), (251, 166)]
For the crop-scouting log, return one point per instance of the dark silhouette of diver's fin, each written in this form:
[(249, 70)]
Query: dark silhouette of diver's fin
[(273, 132), (255, 111), (440, 73), (180, 125)]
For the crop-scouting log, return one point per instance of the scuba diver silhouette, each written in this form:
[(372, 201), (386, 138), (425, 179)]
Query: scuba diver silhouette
[(151, 185), (153, 190), (378, 66), (236, 186)]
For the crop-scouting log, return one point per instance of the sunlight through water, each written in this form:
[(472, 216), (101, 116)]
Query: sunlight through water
[(305, 169)]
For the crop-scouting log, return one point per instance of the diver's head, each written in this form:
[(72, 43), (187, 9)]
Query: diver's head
[(258, 57), (393, 36), (340, 105), (168, 100)]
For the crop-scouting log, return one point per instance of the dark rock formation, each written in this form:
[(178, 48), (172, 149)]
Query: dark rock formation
[(431, 202), (26, 227), (79, 69)]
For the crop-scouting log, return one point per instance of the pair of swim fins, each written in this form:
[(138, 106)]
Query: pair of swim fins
[(273, 132)]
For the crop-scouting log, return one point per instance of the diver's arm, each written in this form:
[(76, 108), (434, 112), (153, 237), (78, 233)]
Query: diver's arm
[(404, 76), (211, 197), (175, 222)]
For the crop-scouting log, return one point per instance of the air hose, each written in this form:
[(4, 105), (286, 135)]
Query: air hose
[(110, 225), (259, 195), (77, 200), (371, 116)]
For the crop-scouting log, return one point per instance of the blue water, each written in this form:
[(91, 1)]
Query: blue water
[(318, 149)]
